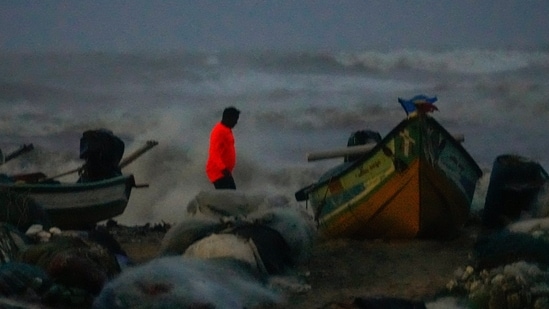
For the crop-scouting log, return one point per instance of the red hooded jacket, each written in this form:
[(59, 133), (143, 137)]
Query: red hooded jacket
[(222, 153)]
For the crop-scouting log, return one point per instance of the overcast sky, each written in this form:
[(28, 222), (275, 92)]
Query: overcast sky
[(107, 25)]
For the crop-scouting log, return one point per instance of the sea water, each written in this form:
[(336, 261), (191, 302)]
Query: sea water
[(291, 103)]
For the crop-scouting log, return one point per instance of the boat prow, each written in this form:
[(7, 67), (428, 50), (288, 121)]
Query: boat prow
[(418, 181)]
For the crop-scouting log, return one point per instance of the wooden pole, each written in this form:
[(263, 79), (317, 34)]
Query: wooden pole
[(341, 152), (23, 149), (63, 174), (129, 159), (353, 150), (125, 162)]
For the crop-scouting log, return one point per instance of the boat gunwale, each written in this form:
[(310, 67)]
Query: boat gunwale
[(351, 166), (53, 188)]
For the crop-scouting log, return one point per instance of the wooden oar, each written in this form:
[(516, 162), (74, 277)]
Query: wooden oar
[(125, 162), (129, 159), (62, 174), (353, 150), (23, 149)]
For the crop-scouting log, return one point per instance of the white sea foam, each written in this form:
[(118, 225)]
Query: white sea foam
[(457, 61), (291, 104)]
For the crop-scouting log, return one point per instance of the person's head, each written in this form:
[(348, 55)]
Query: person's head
[(230, 116)]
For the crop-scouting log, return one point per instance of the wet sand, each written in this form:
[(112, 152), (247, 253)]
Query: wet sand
[(341, 270)]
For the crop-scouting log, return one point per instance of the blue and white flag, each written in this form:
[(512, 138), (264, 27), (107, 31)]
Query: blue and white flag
[(420, 103)]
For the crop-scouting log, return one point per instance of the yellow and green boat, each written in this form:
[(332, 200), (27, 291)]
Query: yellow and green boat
[(418, 181)]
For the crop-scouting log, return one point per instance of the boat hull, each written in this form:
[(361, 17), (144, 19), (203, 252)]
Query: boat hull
[(417, 182), (77, 205)]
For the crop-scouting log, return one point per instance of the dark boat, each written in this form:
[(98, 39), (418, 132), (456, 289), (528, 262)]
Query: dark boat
[(102, 191), (75, 205)]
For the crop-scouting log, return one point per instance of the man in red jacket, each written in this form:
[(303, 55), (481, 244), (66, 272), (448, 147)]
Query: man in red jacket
[(222, 154)]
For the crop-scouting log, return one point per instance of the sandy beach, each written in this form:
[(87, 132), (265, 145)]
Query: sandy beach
[(342, 270)]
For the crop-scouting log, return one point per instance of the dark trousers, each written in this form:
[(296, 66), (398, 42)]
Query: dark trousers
[(226, 182)]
